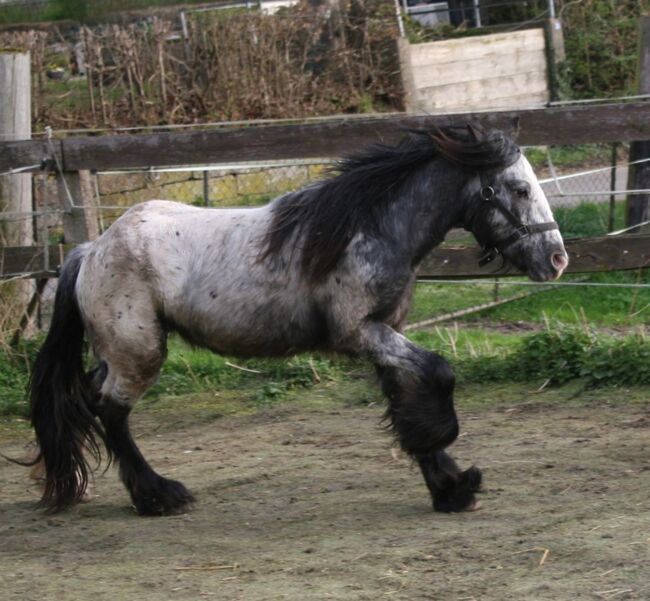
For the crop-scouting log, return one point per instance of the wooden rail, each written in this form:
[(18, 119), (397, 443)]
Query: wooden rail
[(585, 254), (621, 122)]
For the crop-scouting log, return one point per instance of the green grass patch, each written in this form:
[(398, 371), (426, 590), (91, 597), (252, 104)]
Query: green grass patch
[(588, 219), (598, 306), (574, 155), (79, 10), (257, 382), (601, 305), (556, 355), (189, 370), (432, 299), (15, 367)]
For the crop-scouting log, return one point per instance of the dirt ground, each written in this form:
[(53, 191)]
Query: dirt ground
[(312, 503)]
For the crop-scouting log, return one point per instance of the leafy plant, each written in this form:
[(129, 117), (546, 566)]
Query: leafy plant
[(562, 353), (601, 47), (557, 353)]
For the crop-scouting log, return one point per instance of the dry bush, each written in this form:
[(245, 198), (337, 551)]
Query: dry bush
[(242, 65), (11, 310)]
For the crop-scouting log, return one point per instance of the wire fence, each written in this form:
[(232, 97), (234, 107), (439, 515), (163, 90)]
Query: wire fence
[(570, 177)]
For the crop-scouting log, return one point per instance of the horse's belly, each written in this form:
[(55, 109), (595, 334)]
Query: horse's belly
[(257, 326)]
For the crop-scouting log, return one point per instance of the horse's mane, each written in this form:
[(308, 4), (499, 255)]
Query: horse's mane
[(330, 213)]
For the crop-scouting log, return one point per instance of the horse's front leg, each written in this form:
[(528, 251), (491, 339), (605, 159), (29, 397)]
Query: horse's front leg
[(419, 386)]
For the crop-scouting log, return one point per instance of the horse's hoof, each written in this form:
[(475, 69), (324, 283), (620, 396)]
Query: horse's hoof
[(460, 497), (168, 497)]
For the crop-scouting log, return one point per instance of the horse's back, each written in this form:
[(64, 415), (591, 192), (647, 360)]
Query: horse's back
[(197, 271)]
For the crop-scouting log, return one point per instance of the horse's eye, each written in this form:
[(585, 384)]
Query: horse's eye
[(522, 192)]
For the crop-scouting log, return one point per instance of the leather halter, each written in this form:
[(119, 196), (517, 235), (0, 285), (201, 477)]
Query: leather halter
[(489, 198)]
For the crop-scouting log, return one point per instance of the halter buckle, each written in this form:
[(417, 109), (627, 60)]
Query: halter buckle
[(488, 257), (523, 230), (487, 193)]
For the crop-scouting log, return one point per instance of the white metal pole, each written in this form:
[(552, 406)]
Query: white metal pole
[(477, 13), (400, 22), (551, 9)]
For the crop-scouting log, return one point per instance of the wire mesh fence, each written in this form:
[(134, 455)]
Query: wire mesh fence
[(571, 177), (245, 184)]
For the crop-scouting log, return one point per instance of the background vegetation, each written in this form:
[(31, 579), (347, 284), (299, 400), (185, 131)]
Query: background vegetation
[(300, 62), (346, 63), (600, 36), (233, 65), (592, 336)]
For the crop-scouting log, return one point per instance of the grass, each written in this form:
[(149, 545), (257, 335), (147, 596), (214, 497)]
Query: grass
[(567, 156), (474, 349), (600, 306), (603, 307), (191, 371), (79, 10), (588, 219), (265, 380), (67, 95)]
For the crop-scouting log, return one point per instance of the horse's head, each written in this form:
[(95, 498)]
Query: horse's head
[(509, 214)]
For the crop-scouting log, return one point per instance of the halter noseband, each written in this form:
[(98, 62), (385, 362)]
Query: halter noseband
[(489, 196)]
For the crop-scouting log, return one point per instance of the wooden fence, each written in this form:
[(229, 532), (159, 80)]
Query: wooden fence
[(318, 138), (322, 138), (487, 71), (586, 255)]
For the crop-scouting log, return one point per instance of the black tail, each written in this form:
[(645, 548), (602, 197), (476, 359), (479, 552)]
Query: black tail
[(61, 396)]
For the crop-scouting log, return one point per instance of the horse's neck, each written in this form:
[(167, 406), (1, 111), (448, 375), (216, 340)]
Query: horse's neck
[(431, 206)]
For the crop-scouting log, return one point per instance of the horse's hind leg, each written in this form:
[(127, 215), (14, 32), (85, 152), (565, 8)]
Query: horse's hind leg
[(151, 493), (133, 364)]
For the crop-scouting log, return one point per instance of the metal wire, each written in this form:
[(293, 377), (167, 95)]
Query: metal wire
[(490, 282), (59, 167), (18, 216), (225, 167), (291, 120), (22, 169), (636, 226)]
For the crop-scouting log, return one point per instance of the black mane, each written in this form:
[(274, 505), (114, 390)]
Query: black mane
[(329, 214)]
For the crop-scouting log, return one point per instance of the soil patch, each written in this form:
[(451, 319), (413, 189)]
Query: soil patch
[(300, 504)]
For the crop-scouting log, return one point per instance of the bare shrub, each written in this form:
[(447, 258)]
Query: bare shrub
[(243, 65)]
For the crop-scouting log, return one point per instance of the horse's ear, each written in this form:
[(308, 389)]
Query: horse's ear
[(516, 127), (475, 135)]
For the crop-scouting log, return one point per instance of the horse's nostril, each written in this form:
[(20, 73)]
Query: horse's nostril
[(559, 261)]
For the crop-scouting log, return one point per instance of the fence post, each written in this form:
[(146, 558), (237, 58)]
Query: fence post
[(612, 187), (406, 72), (16, 124), (77, 199), (637, 208), (206, 188), (16, 189), (555, 54)]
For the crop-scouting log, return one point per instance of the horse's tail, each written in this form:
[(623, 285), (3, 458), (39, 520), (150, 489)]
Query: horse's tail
[(61, 394)]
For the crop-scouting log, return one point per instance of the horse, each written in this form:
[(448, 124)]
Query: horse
[(330, 267)]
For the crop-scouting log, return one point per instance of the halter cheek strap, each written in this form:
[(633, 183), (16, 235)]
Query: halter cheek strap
[(488, 197)]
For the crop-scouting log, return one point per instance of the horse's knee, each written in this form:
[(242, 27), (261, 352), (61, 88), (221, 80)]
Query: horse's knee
[(425, 427), (421, 409), (440, 377)]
